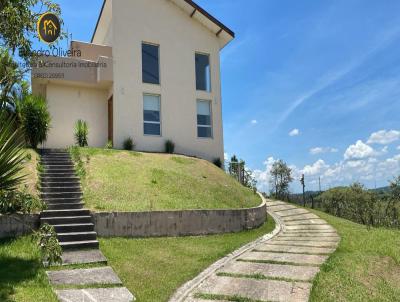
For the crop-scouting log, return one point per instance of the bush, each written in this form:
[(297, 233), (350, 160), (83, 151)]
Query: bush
[(78, 161), (15, 201), (81, 132), (11, 155), (217, 161), (361, 205), (35, 119), (128, 144), (109, 145), (169, 146), (47, 241)]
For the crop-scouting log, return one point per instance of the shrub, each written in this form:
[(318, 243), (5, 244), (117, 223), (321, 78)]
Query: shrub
[(11, 153), (35, 119), (81, 133), (47, 241), (217, 161), (169, 146), (15, 201), (128, 144), (109, 145)]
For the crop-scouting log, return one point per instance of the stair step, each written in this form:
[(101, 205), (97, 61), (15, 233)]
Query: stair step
[(64, 179), (52, 184), (58, 200), (53, 189), (59, 170), (64, 213), (76, 236), (87, 244), (61, 195), (65, 205), (66, 220), (74, 227), (64, 174)]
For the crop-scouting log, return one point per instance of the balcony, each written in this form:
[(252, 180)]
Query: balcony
[(88, 65)]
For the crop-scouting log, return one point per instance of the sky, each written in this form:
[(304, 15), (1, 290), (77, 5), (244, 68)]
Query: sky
[(314, 83)]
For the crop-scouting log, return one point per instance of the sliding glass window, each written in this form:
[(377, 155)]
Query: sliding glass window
[(151, 114)]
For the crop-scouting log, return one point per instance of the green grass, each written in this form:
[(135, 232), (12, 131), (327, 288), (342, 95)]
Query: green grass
[(365, 267), (154, 268), (22, 276), (133, 181), (30, 169)]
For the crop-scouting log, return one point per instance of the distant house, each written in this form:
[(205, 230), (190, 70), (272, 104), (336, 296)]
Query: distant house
[(151, 72)]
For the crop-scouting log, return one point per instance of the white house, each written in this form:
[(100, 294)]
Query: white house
[(151, 72)]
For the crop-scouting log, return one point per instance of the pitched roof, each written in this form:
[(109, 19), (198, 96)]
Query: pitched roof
[(197, 12)]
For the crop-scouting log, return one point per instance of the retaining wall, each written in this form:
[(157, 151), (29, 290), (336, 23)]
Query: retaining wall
[(18, 224), (178, 223)]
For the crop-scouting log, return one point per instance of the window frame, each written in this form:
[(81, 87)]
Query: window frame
[(152, 122), (211, 126), (209, 71), (159, 59)]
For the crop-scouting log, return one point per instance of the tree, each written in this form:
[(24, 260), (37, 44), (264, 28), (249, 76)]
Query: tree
[(10, 77), (281, 177), (18, 20)]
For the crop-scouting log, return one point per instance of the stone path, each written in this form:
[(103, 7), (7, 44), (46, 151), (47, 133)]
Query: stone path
[(280, 268)]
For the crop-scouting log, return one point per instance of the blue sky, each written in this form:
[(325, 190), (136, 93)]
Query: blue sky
[(330, 69)]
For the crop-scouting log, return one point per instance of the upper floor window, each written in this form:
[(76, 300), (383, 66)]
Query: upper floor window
[(151, 114), (150, 64), (203, 80), (204, 127)]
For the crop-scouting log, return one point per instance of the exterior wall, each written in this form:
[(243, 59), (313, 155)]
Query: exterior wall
[(179, 37), (18, 224), (90, 51), (178, 223), (67, 104)]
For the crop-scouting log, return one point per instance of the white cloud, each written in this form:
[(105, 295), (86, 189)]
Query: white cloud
[(226, 156), (384, 137), (358, 151), (294, 132), (316, 168), (398, 148), (319, 150), (253, 122)]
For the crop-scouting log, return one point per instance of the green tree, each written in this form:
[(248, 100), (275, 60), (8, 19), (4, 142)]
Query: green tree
[(18, 20), (281, 177), (10, 78)]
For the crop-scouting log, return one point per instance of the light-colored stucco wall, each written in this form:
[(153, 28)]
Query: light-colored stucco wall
[(162, 22), (66, 105)]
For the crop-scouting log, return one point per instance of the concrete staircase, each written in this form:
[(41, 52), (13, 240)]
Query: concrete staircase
[(62, 193)]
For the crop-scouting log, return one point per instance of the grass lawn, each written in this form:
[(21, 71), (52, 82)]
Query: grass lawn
[(22, 276), (134, 181), (154, 268), (365, 267)]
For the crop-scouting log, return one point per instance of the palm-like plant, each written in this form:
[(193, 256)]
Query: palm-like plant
[(81, 133), (11, 153)]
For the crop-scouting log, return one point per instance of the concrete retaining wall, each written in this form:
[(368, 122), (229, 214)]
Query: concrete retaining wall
[(178, 223), (18, 224)]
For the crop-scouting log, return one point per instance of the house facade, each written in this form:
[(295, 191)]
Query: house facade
[(151, 72)]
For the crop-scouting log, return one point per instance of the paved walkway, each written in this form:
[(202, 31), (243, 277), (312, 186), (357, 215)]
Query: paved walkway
[(280, 268)]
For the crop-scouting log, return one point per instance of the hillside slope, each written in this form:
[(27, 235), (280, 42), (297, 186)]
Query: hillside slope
[(134, 181)]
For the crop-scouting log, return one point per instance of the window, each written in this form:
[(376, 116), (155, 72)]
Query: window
[(204, 128), (151, 114), (203, 81), (150, 64)]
